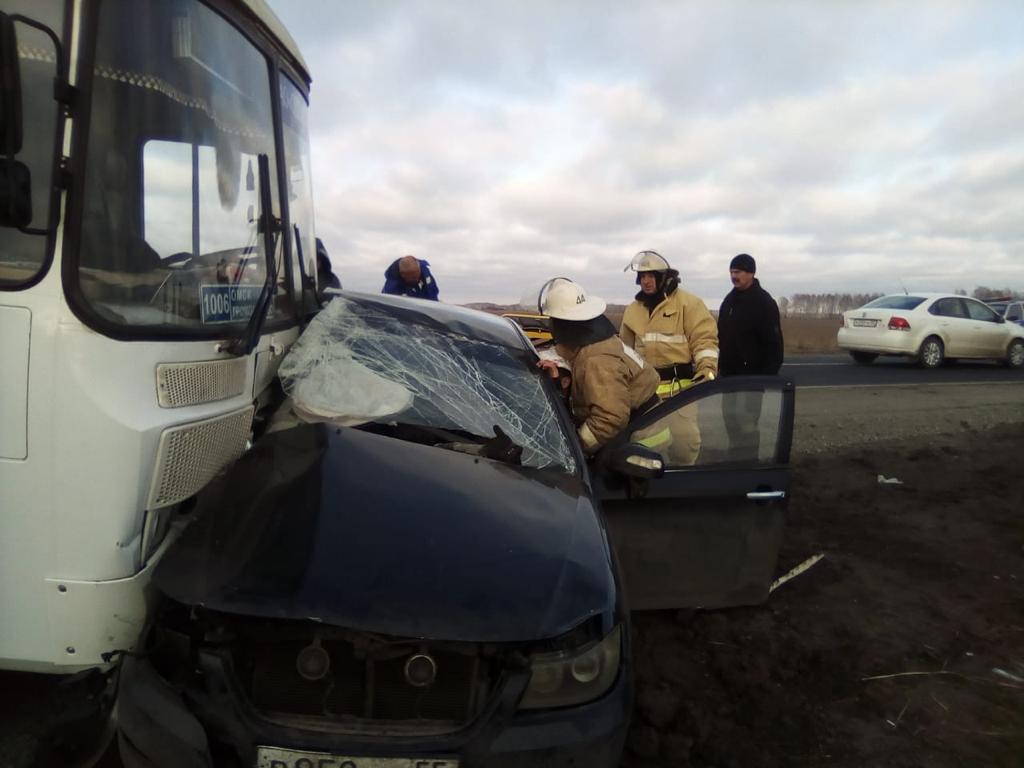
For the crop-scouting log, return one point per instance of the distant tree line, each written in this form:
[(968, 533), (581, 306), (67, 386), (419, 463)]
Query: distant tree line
[(837, 303), (985, 293), (823, 303)]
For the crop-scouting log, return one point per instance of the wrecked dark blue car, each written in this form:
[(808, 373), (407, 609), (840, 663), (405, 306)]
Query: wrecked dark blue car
[(416, 566)]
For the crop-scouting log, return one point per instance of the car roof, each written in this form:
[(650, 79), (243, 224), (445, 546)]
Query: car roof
[(471, 323), (928, 295), (533, 315)]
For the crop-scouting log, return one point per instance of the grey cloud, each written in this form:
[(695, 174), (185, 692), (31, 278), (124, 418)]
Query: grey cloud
[(846, 143)]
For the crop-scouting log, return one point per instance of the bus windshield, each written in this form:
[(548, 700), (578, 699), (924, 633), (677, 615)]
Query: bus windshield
[(171, 236), (294, 111)]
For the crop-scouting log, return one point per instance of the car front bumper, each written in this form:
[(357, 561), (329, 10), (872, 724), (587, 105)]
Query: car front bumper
[(158, 728)]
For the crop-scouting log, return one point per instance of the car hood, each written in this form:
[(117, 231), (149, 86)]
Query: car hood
[(376, 534)]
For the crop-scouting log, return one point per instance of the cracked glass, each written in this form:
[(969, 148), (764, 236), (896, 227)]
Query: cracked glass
[(359, 364)]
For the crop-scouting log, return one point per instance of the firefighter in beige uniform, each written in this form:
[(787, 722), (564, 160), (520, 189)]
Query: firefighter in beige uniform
[(610, 382), (674, 332)]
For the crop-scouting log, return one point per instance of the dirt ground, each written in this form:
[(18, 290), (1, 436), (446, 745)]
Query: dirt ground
[(921, 588), (904, 646)]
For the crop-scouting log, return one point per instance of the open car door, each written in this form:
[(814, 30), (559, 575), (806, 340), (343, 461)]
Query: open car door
[(704, 531)]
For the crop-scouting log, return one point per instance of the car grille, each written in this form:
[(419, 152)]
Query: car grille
[(364, 682)]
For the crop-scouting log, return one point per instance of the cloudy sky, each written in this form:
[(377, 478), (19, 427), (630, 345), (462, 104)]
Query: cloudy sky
[(848, 146)]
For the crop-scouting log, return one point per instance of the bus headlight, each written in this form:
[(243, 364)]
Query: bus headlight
[(567, 678)]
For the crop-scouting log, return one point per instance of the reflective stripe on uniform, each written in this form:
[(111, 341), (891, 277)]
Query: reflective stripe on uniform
[(674, 338), (632, 354), (658, 438), (587, 437), (669, 388), (706, 353)]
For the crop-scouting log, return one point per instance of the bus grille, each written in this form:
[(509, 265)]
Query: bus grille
[(190, 455), (207, 381)]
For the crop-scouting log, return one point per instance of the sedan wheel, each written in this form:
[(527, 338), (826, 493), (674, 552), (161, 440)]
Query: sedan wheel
[(864, 358), (1015, 355), (931, 353)]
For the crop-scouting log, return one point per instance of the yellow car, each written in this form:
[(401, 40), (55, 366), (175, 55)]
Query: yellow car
[(536, 327)]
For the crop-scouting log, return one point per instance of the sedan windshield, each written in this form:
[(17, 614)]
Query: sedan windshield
[(358, 364)]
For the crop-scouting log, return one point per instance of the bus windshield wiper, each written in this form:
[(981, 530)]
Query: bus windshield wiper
[(306, 280), (268, 225)]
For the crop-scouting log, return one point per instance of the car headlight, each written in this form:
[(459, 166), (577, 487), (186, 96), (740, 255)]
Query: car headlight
[(567, 678)]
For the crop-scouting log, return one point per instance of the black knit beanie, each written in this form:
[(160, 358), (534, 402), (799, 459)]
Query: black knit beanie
[(744, 262)]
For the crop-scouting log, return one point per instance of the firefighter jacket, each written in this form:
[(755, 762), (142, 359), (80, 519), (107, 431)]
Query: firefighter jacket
[(750, 332), (609, 382), (679, 332)]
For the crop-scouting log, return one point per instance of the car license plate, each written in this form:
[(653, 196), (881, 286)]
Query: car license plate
[(861, 322), (272, 757)]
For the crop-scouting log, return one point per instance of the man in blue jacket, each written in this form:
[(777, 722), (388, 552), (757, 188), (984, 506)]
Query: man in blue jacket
[(409, 276)]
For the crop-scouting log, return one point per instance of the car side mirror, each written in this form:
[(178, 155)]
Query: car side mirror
[(635, 460), (10, 89)]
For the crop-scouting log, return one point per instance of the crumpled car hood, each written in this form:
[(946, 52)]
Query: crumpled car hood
[(372, 533)]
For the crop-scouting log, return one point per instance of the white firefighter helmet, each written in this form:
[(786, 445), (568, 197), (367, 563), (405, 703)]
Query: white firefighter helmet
[(648, 261), (563, 299)]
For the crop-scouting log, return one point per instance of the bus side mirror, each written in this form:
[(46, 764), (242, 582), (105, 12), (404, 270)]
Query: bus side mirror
[(10, 89), (15, 179), (15, 194)]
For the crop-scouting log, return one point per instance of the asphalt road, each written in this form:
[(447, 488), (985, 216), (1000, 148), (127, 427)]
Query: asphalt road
[(840, 370)]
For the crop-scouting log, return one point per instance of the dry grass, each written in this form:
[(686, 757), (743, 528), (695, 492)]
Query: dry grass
[(810, 333), (803, 334)]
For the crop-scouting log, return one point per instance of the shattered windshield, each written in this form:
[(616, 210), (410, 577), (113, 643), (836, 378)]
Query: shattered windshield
[(358, 364)]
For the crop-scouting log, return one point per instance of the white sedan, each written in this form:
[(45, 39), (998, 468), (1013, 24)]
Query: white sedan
[(930, 327)]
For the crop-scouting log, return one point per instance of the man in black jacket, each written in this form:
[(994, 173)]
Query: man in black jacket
[(750, 343)]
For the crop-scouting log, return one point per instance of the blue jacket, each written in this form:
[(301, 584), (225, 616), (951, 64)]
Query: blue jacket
[(426, 288)]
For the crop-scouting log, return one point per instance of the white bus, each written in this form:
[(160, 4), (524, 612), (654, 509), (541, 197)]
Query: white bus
[(157, 258)]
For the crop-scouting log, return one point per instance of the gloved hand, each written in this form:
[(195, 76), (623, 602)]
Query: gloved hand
[(550, 367), (705, 374), (501, 448)]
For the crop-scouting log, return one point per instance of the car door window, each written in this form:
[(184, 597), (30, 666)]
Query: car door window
[(979, 311), (724, 428), (1014, 313), (948, 308)]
